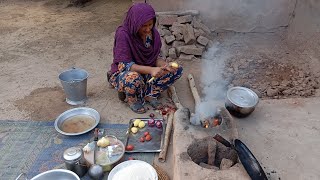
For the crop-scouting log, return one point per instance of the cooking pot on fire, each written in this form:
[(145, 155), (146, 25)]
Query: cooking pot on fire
[(241, 101)]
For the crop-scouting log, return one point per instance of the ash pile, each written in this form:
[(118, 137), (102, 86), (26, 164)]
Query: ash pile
[(183, 35)]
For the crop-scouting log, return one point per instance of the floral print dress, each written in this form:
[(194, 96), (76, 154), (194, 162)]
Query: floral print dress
[(136, 86)]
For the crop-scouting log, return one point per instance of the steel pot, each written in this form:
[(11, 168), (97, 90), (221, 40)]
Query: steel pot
[(241, 101)]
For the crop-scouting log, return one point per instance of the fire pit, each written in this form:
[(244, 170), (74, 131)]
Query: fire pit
[(209, 153), (197, 155)]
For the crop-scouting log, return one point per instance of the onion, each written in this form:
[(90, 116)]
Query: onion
[(159, 124), (151, 122), (152, 115)]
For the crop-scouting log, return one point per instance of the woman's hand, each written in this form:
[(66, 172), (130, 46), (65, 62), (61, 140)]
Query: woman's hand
[(157, 72), (169, 68)]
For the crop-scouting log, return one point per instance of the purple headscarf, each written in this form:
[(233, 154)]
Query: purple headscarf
[(128, 46)]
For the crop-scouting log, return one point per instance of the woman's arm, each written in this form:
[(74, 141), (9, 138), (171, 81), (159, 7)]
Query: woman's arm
[(153, 71)]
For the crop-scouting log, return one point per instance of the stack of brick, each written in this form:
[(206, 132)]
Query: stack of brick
[(183, 37)]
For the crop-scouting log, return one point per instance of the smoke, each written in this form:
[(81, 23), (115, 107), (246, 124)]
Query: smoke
[(213, 85), (242, 15)]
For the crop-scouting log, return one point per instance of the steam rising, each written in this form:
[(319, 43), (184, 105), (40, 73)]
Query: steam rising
[(214, 87)]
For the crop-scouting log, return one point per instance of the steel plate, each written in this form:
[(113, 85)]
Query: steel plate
[(76, 112), (155, 145)]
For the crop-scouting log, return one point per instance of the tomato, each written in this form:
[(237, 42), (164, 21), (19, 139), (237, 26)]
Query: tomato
[(148, 137), (141, 139), (146, 133), (131, 158), (129, 147)]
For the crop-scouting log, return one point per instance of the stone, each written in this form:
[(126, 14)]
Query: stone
[(301, 74), (200, 32), (202, 40), (169, 39), (177, 27), (191, 49), (178, 43), (275, 83), (161, 27), (197, 24), (186, 57), (272, 92), (178, 36), (161, 32), (196, 32), (225, 164), (172, 53), (164, 48), (287, 92), (268, 73), (285, 83), (184, 19), (167, 20), (188, 35), (201, 46), (166, 32)]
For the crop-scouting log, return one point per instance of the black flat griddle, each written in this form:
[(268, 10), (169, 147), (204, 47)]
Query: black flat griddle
[(249, 162)]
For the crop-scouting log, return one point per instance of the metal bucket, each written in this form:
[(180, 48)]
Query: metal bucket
[(74, 83)]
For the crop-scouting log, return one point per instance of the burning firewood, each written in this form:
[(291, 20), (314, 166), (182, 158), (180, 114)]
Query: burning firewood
[(194, 120)]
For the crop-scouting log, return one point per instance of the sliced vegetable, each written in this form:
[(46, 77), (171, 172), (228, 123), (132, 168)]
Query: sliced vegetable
[(103, 142)]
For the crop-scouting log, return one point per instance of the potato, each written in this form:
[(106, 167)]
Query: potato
[(136, 122), (142, 124), (174, 65), (134, 130)]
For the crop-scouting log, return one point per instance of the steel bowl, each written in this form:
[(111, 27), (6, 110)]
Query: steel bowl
[(57, 174), (76, 112), (241, 101)]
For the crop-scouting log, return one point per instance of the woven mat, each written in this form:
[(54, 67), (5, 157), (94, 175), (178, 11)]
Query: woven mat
[(34, 147)]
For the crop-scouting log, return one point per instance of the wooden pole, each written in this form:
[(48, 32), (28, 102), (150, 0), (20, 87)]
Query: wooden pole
[(163, 153)]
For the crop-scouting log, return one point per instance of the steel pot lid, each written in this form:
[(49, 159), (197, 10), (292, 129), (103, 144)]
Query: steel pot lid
[(72, 154), (242, 96)]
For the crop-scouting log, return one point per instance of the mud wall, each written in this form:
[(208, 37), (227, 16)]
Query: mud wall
[(235, 15), (304, 32)]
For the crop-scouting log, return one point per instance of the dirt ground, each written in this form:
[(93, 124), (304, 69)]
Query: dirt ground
[(41, 38)]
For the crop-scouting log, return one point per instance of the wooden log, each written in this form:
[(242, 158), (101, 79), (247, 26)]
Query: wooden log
[(212, 147), (197, 100), (163, 153), (194, 90)]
